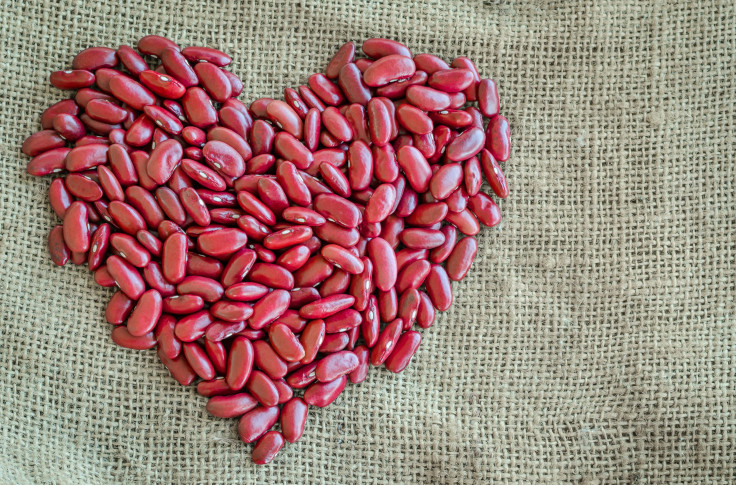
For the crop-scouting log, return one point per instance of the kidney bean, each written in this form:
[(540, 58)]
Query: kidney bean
[(383, 258), (285, 118), (262, 388), (408, 307), (426, 215), (174, 258), (217, 355), (342, 258), (379, 47), (94, 58), (179, 368), (494, 175), (42, 141), (246, 291), (498, 138), (325, 90), (386, 342), (267, 447), (75, 228), (58, 249), (67, 106), (427, 99), (466, 145), (413, 119), (285, 343), (230, 406), (322, 394), (336, 365), (256, 422), (123, 338), (215, 387), (48, 162), (485, 209), (446, 180), (405, 349), (334, 342), (269, 308), (389, 69), (430, 63)]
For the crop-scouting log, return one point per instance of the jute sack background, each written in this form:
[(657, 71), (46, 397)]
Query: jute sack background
[(592, 342)]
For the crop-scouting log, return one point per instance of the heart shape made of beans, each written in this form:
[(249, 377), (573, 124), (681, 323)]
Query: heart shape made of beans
[(271, 252)]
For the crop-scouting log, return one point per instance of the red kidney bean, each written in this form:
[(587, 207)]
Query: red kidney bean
[(42, 141), (336, 124), (446, 180), (415, 167), (285, 118), (383, 258), (412, 275), (379, 47), (59, 197), (488, 98), (326, 306), (118, 308), (221, 243), (498, 138), (268, 360), (67, 106), (342, 258), (381, 203), (174, 257), (215, 387), (485, 209), (466, 145), (296, 102), (178, 367), (430, 63), (452, 80), (123, 338), (213, 80), (183, 304), (288, 147), (75, 228), (48, 162), (425, 144), (239, 363), (285, 343), (203, 175), (439, 288), (126, 277), (58, 250), (269, 308), (230, 406), (386, 342), (209, 289), (267, 448), (413, 119), (140, 132), (325, 90), (420, 238), (386, 166), (389, 69), (129, 249), (398, 89), (427, 215), (336, 365), (322, 394), (359, 374), (408, 307), (494, 175), (405, 349), (344, 55), (83, 187), (68, 127), (246, 291), (94, 58), (350, 80), (199, 265), (458, 200), (217, 355), (256, 422), (334, 342), (427, 99), (465, 222), (198, 108), (98, 246), (263, 388)]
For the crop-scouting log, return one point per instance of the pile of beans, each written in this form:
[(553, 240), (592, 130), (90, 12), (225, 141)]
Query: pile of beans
[(272, 251)]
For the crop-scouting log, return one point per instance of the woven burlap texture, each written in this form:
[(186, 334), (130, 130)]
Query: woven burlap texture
[(592, 342)]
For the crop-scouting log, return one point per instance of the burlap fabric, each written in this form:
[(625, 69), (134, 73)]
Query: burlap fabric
[(592, 342)]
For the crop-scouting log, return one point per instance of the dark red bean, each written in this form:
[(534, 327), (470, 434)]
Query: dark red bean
[(386, 342), (498, 138), (267, 448), (379, 47), (389, 69), (430, 63), (494, 175), (256, 422), (322, 394)]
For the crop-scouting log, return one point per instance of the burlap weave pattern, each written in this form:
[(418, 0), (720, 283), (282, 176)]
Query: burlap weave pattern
[(592, 342)]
